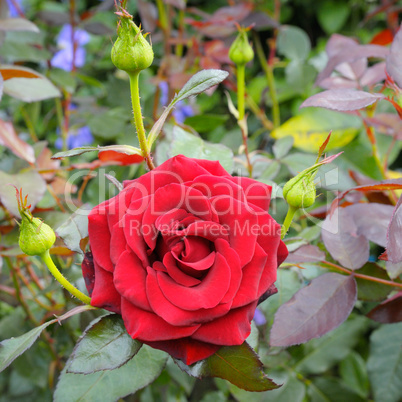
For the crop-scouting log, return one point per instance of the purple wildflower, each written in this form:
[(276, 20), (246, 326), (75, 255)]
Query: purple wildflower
[(12, 9), (181, 111), (64, 58), (76, 138), (259, 317)]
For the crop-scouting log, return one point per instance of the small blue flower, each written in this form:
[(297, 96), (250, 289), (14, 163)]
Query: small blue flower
[(259, 317), (181, 111), (76, 138), (64, 58), (13, 10)]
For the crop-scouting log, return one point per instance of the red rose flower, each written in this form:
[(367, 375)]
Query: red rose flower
[(184, 253)]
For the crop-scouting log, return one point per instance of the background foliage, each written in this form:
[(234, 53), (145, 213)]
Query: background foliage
[(60, 90)]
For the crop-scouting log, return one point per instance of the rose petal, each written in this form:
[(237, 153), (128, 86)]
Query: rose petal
[(148, 327), (171, 313), (231, 329), (195, 249), (206, 229), (117, 243), (98, 229), (129, 280), (186, 349), (242, 224), (256, 193), (170, 262), (104, 294), (88, 272), (208, 294)]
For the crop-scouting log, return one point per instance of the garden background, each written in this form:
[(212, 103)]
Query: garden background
[(60, 90)]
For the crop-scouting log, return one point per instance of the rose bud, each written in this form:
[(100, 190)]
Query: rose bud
[(131, 52), (35, 236), (241, 51), (185, 253), (299, 192)]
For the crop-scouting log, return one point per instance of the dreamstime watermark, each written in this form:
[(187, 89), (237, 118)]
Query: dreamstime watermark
[(208, 198)]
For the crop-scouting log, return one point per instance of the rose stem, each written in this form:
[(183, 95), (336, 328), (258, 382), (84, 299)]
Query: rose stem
[(240, 72), (138, 120), (288, 221), (62, 280)]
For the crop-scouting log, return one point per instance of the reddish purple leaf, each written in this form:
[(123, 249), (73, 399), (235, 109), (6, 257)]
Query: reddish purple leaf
[(388, 311), (314, 310), (373, 75), (342, 99), (394, 59), (338, 83), (353, 70), (348, 51), (343, 240), (387, 123), (394, 235), (306, 253), (149, 15)]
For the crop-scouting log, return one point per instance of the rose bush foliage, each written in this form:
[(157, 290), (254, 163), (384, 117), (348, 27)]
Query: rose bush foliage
[(184, 253)]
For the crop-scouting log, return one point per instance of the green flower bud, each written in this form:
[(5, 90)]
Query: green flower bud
[(241, 52), (35, 236), (131, 52), (300, 192)]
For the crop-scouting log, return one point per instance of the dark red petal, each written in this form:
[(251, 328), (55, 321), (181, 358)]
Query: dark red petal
[(207, 230), (282, 252), (99, 236), (118, 243), (252, 272), (117, 206), (231, 329), (186, 349), (129, 279), (88, 272), (104, 294), (195, 249), (176, 273), (148, 327), (256, 193), (200, 265), (174, 315), (242, 223), (212, 186)]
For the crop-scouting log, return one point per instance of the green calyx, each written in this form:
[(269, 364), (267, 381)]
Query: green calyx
[(131, 51), (241, 51), (35, 236)]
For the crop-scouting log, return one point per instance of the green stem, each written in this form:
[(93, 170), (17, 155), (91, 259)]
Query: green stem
[(138, 120), (62, 280), (162, 14), (288, 221), (269, 73), (29, 124), (241, 69)]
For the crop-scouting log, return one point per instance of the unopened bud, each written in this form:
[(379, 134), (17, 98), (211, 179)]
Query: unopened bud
[(35, 236), (241, 51), (131, 51), (300, 192)]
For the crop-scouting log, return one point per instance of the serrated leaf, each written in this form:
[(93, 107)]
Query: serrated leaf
[(314, 310), (385, 363), (104, 345), (122, 149), (10, 349), (238, 364), (342, 99), (394, 238), (310, 128), (198, 83), (110, 385), (75, 229), (369, 290), (389, 311)]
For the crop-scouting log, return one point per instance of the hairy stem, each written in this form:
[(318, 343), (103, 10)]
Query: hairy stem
[(288, 220)]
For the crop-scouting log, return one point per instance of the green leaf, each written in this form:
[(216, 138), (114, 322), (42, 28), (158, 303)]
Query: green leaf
[(332, 15), (75, 228), (323, 353), (104, 345), (122, 149), (238, 364), (282, 146), (198, 83), (64, 79), (110, 385), (184, 143), (205, 123), (354, 373), (310, 129), (333, 390), (17, 24), (10, 349), (110, 124), (372, 291), (31, 89), (293, 42), (385, 363)]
